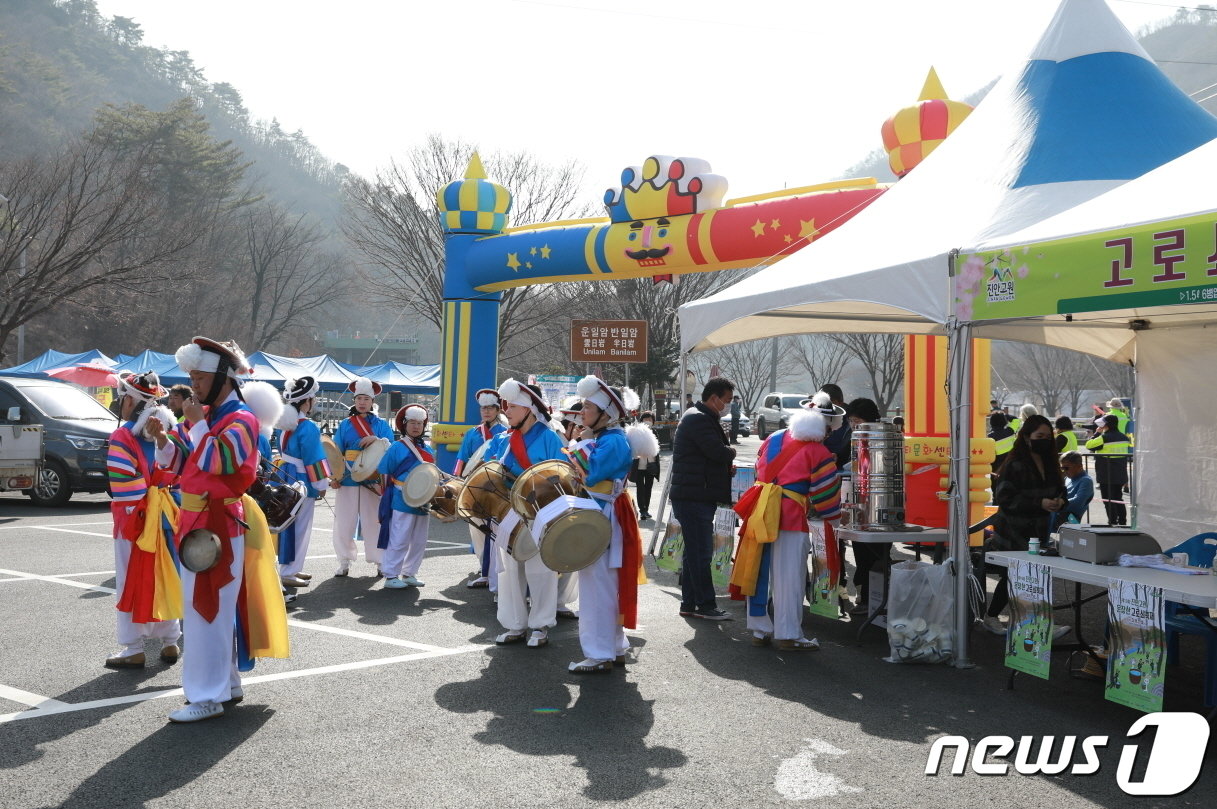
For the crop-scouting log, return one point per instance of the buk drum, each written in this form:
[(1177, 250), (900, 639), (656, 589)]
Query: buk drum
[(486, 495), (199, 550), (333, 456), (280, 502), (428, 487), (476, 459), (570, 528), (368, 462)]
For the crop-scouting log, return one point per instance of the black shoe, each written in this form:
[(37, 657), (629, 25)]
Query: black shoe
[(711, 614)]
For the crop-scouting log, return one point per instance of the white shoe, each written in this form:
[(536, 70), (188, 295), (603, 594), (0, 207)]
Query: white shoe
[(196, 712), (414, 581), (993, 624), (1060, 631), (537, 638), (343, 569), (235, 695)]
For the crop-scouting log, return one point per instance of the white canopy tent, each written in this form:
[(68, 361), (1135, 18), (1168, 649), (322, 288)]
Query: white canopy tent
[(1086, 112)]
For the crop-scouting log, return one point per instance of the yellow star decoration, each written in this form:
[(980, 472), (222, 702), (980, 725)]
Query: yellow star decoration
[(787, 238), (775, 224), (532, 251), (528, 265), (513, 261), (545, 250), (759, 228), (808, 229)]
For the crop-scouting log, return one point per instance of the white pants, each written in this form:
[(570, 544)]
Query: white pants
[(600, 632), (531, 579), (788, 583), (568, 590), (351, 504), (209, 664), (407, 542), (304, 530), (130, 634), (479, 541)]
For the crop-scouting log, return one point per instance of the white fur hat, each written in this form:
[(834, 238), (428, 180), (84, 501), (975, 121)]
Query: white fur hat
[(488, 397), (519, 393), (143, 387), (362, 386), (298, 390), (808, 425), (833, 414), (411, 412), (204, 354), (616, 405)]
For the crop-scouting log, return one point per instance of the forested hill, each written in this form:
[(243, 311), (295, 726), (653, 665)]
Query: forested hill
[(1183, 47), (61, 61)]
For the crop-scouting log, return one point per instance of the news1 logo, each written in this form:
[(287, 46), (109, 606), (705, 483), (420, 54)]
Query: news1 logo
[(1172, 766)]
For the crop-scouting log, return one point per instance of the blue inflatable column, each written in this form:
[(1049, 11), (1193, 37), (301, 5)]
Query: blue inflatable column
[(469, 209)]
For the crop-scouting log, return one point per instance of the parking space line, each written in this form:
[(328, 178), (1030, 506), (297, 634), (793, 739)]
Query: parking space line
[(74, 531), (63, 707), (351, 633), (61, 525), (26, 698), (56, 580)]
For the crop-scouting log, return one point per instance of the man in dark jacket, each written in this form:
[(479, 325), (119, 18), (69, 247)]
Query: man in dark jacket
[(701, 479)]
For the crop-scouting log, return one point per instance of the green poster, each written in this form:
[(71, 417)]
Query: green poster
[(1136, 667), (1029, 636), (822, 594), (724, 546), (1159, 264)]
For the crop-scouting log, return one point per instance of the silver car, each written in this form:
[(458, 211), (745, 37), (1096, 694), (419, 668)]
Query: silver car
[(775, 411)]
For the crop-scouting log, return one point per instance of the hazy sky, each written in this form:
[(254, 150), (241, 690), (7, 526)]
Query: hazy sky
[(773, 93)]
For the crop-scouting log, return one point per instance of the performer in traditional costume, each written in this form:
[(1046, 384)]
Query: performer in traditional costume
[(490, 408), (303, 458), (234, 610), (571, 411), (358, 501), (796, 478), (403, 528), (528, 591), (146, 576), (608, 587)]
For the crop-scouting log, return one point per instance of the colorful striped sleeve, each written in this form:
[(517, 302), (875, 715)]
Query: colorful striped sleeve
[(175, 453), (227, 452), (312, 454), (126, 482), (826, 489)]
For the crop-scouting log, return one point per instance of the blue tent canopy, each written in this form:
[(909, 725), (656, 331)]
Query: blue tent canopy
[(405, 378), (52, 359)]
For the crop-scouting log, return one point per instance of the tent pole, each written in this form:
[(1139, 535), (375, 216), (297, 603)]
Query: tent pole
[(660, 523), (959, 350)]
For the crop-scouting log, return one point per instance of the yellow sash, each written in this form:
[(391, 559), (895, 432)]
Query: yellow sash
[(761, 527), (263, 591), (167, 582)]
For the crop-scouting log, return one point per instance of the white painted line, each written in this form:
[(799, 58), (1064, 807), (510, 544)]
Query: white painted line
[(49, 710), (26, 698), (90, 573), (73, 531), (442, 544), (350, 633), (57, 580), (61, 525)]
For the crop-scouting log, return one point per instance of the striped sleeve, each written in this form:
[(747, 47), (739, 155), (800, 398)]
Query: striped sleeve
[(177, 450), (825, 491), (312, 454), (227, 452), (126, 482)]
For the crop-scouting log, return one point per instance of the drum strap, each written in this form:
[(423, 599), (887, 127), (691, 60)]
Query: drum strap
[(361, 425), (420, 452)]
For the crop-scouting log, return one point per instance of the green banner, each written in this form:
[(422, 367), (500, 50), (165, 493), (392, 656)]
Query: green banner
[(1136, 668), (1159, 264), (822, 594), (1029, 636)]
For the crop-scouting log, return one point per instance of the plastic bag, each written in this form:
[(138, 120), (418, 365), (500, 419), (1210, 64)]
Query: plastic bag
[(672, 548), (920, 613)]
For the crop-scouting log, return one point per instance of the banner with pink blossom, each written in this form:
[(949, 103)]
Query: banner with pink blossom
[(1164, 263)]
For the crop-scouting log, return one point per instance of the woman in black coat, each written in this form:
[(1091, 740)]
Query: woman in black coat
[(1030, 489)]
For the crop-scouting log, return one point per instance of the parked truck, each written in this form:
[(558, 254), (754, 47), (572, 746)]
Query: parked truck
[(21, 448)]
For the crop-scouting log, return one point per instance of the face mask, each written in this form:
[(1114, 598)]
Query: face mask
[(725, 409), (1043, 446)]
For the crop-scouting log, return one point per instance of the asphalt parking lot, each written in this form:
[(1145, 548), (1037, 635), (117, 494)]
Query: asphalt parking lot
[(401, 698)]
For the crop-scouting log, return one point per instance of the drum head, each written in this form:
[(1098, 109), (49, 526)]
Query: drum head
[(476, 459), (486, 495), (199, 551), (369, 459), (541, 484), (333, 456), (574, 540), (443, 507), (418, 489), (522, 546)]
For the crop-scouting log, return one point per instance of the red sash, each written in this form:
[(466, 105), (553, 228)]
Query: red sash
[(360, 423), (484, 431), (518, 450), (631, 561)]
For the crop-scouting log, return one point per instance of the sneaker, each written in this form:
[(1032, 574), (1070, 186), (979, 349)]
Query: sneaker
[(993, 624), (711, 614), (414, 581), (479, 582), (1060, 631), (538, 638), (395, 583), (343, 569), (235, 695), (197, 712)]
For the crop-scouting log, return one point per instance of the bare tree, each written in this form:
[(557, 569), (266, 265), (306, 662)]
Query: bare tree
[(745, 364), (83, 219), (1054, 377), (882, 357), (817, 354)]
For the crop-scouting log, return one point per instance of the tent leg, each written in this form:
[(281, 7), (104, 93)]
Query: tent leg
[(661, 524), (959, 351)]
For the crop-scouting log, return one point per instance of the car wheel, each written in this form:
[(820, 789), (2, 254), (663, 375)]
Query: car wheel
[(52, 488)]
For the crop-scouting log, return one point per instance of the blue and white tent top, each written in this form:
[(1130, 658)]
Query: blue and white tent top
[(1085, 112), (52, 359)]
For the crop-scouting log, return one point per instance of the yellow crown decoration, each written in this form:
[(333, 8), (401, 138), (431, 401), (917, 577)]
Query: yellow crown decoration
[(665, 186), (474, 204)]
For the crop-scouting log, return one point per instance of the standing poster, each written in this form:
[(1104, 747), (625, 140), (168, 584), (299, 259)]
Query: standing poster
[(1136, 667), (1029, 637), (724, 546), (822, 595), (742, 480)]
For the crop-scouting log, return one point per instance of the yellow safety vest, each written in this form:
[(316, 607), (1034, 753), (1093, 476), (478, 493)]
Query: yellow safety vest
[(1071, 441)]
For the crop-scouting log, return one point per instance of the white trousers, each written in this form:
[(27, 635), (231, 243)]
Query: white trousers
[(788, 583), (356, 504), (521, 580), (130, 634), (568, 590), (600, 632), (209, 661), (407, 542), (479, 541), (304, 530)]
